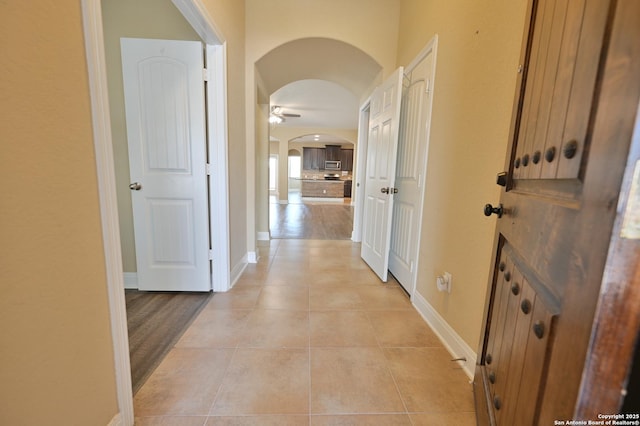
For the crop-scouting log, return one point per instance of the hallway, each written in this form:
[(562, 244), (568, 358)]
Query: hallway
[(308, 335), (309, 219)]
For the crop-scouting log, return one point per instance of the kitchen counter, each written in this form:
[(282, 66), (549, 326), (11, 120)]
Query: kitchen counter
[(322, 188)]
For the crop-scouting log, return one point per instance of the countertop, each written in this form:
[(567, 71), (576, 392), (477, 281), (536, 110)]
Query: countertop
[(322, 180)]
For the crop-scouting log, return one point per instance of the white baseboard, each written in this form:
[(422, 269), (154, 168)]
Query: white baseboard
[(457, 347), (130, 280), (116, 420), (252, 256), (264, 236), (237, 270)]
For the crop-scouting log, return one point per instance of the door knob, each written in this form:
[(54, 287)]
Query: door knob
[(135, 186), (489, 210), (384, 190)]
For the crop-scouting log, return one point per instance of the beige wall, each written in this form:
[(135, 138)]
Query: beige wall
[(478, 51), (156, 19), (370, 25), (56, 358)]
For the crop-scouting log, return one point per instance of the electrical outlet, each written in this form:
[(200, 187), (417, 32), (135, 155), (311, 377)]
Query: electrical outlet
[(443, 282)]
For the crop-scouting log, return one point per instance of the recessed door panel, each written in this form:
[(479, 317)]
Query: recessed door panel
[(554, 219), (164, 100), (381, 165)]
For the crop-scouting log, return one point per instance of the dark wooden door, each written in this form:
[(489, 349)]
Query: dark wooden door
[(571, 133)]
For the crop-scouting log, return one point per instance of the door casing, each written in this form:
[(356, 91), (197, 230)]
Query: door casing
[(195, 13)]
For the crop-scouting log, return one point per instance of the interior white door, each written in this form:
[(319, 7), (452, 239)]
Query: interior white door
[(410, 172), (380, 173), (165, 114)]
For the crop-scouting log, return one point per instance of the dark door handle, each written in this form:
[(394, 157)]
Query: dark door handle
[(489, 210)]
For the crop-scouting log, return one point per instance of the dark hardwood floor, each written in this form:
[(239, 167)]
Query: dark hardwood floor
[(311, 220), (155, 321)]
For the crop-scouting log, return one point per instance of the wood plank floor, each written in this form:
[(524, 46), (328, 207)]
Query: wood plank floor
[(311, 220), (155, 321)]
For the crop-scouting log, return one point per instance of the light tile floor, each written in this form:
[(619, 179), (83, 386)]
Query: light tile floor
[(308, 336)]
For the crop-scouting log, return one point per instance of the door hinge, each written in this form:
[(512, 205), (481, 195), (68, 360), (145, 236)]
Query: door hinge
[(205, 74), (210, 254), (208, 169)]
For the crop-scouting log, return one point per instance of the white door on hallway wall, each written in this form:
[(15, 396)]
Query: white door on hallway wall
[(411, 168), (165, 114), (380, 173)]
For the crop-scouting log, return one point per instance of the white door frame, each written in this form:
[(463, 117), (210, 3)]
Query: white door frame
[(361, 168), (195, 13)]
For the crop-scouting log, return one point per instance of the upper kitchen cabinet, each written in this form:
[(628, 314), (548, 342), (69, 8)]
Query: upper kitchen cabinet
[(346, 158), (333, 152), (313, 158)]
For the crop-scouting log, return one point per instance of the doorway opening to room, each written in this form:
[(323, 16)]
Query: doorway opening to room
[(316, 175)]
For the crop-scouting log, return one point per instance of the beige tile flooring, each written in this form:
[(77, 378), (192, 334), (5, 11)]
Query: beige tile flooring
[(308, 336)]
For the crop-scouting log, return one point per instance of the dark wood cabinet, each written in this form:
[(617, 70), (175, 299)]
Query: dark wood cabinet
[(333, 152), (346, 158), (347, 188), (321, 156), (307, 153), (313, 158)]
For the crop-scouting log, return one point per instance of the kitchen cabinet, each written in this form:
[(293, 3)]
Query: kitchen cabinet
[(313, 158), (322, 188), (333, 152), (346, 158), (347, 188)]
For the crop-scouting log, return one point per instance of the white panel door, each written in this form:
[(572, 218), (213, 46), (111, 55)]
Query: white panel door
[(380, 173), (410, 172), (165, 113)]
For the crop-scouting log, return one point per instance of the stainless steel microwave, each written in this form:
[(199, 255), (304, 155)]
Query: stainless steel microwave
[(332, 165)]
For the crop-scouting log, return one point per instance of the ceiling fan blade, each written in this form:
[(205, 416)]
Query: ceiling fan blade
[(290, 115)]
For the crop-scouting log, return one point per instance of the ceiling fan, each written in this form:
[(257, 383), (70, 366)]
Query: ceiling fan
[(277, 116)]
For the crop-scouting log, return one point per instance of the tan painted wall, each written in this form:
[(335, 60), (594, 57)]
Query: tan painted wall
[(370, 25), (56, 358), (478, 51), (155, 19)]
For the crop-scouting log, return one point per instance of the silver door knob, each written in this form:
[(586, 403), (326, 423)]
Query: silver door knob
[(135, 186)]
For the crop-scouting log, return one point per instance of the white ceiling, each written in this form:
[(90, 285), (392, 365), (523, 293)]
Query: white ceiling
[(321, 104)]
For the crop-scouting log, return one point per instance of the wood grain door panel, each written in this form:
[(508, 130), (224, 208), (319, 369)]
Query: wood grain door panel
[(571, 129)]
